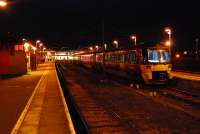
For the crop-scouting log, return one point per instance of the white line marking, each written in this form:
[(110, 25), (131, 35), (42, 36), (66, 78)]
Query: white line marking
[(71, 126), (23, 114)]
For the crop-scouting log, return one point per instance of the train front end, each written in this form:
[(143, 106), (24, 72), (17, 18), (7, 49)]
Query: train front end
[(156, 67)]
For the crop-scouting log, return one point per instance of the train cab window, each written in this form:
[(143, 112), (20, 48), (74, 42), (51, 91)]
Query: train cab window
[(158, 56)]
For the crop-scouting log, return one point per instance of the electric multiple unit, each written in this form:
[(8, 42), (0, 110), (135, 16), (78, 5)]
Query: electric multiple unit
[(150, 63)]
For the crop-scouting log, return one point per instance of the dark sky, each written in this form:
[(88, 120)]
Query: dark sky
[(73, 23)]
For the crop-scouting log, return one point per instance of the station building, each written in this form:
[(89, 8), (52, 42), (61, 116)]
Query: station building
[(12, 60)]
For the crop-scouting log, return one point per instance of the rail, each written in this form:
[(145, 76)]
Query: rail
[(77, 119)]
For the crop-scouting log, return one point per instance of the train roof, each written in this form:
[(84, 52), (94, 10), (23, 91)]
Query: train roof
[(143, 45), (151, 44)]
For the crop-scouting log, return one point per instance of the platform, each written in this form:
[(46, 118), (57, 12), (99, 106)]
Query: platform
[(46, 110), (186, 75)]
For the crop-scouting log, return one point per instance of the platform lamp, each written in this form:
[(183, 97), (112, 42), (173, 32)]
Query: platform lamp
[(133, 37), (169, 42), (3, 4), (116, 43), (27, 51)]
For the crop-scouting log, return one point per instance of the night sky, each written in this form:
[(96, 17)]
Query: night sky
[(73, 23)]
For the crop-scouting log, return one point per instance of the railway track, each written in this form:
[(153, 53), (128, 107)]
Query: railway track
[(109, 105), (186, 97), (112, 108), (186, 100), (78, 121), (96, 118)]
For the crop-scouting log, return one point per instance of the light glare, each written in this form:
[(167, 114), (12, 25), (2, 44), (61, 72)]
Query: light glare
[(168, 43), (3, 3)]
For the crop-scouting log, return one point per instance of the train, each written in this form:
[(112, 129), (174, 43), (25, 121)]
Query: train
[(149, 63)]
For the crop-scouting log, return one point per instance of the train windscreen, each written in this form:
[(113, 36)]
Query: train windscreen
[(158, 56)]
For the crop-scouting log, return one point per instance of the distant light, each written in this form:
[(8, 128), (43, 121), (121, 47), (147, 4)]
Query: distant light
[(177, 56), (105, 46), (49, 53), (97, 47), (168, 43), (91, 48), (58, 53), (38, 41), (44, 48), (26, 46), (40, 45), (133, 37), (24, 39), (34, 48), (168, 30), (3, 3), (185, 52), (115, 42)]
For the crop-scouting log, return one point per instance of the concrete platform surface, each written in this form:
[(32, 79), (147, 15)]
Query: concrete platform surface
[(186, 75), (46, 111), (34, 103), (14, 95)]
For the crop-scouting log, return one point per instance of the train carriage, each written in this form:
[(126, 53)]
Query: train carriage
[(150, 63)]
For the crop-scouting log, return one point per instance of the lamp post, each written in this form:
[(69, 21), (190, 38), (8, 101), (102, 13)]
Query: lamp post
[(34, 49), (27, 51), (40, 46), (116, 43), (169, 32), (97, 47), (91, 48), (37, 42), (133, 37), (105, 46), (3, 3), (197, 47)]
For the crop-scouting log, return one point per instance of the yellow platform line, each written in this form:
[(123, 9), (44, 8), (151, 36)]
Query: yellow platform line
[(24, 112), (71, 126)]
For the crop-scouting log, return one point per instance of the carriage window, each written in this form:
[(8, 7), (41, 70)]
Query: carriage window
[(132, 58), (125, 58), (122, 58)]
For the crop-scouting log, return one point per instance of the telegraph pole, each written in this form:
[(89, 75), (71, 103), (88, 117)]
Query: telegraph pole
[(197, 47), (103, 51), (103, 43)]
